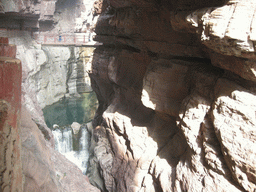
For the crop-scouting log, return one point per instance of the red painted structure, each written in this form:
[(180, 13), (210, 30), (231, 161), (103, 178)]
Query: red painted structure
[(10, 79), (10, 107)]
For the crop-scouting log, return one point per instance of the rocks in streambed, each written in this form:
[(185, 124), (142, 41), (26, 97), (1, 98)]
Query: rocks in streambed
[(75, 127)]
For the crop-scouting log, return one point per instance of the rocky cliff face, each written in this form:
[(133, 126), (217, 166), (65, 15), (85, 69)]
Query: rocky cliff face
[(48, 74), (28, 160), (44, 168), (52, 73), (175, 82)]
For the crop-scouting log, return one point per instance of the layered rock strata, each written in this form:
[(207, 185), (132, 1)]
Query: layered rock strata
[(176, 92), (26, 14)]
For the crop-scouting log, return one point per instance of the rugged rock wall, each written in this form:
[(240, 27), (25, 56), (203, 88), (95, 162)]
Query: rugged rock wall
[(28, 161), (175, 82), (54, 72), (43, 169), (26, 14), (51, 73)]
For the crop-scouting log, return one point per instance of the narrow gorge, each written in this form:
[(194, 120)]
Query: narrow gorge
[(150, 95)]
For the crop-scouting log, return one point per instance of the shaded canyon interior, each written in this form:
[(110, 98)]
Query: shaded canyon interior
[(175, 83)]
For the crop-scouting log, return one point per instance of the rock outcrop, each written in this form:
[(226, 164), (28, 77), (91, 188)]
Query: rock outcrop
[(26, 15), (176, 88), (44, 168), (229, 32), (75, 127)]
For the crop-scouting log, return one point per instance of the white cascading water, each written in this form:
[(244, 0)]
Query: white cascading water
[(73, 147)]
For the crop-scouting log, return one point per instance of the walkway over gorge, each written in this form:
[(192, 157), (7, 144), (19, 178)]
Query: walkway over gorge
[(54, 39), (75, 39)]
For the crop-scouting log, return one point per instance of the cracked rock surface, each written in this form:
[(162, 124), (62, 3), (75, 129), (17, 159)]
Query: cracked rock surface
[(176, 89)]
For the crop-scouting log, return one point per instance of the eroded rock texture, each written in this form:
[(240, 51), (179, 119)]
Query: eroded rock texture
[(176, 88), (44, 168)]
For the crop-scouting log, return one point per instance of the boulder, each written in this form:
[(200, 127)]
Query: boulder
[(75, 127)]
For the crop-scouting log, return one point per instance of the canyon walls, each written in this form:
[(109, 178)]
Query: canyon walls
[(175, 81), (49, 74), (44, 168), (55, 77), (28, 160)]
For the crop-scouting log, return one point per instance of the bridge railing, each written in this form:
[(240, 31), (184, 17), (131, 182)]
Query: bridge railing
[(67, 39)]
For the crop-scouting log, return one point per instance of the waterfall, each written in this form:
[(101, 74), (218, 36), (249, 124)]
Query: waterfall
[(73, 147)]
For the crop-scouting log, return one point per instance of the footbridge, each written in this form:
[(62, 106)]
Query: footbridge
[(74, 39)]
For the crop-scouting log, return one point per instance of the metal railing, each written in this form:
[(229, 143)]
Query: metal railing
[(76, 39), (67, 39)]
